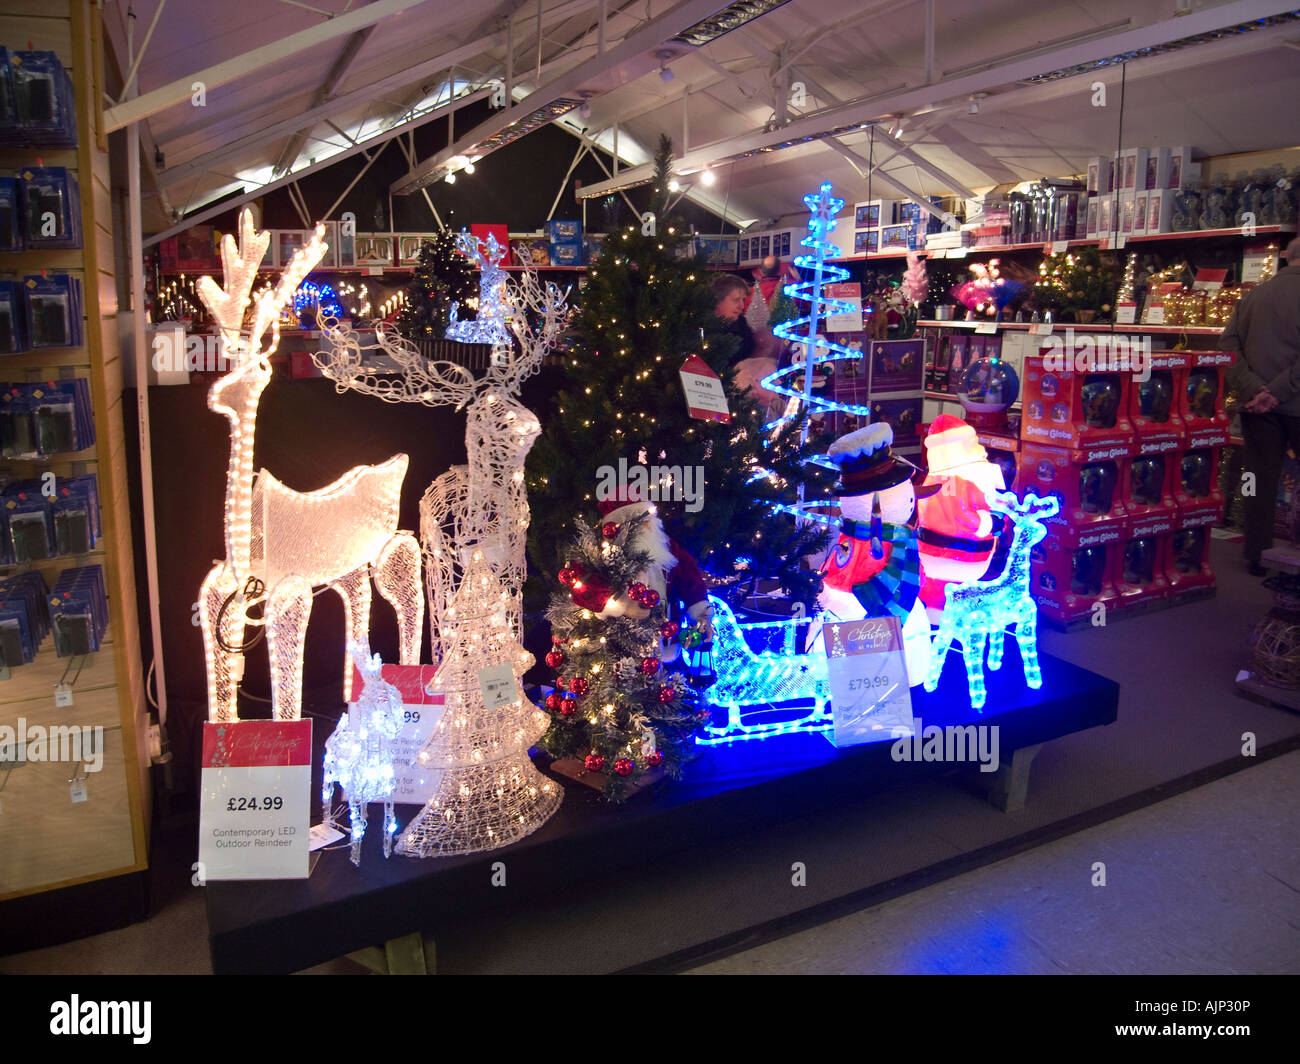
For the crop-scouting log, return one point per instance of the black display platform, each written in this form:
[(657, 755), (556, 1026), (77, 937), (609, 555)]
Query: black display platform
[(285, 926)]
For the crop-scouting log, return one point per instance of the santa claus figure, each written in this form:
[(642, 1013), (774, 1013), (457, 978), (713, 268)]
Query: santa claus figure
[(958, 532), (874, 570), (672, 573)]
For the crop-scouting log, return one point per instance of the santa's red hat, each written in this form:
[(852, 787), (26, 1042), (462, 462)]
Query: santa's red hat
[(625, 502), (950, 444)]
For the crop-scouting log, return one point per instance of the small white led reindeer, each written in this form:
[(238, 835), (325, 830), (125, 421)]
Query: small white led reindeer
[(281, 543), (359, 755)]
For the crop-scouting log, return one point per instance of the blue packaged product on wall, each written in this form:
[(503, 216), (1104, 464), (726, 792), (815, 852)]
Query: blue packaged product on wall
[(50, 207), (13, 334), (76, 514), (79, 611), (43, 102), (53, 310), (28, 522)]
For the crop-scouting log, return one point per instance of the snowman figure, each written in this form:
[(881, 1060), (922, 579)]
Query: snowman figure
[(875, 569), (958, 531)]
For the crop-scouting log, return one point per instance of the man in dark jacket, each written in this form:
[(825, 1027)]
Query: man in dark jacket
[(1264, 331)]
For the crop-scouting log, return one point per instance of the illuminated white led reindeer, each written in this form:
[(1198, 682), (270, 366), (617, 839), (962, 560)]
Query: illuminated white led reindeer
[(483, 504), (359, 754), (281, 543)]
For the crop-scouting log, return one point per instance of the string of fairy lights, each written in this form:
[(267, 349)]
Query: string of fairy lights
[(178, 300)]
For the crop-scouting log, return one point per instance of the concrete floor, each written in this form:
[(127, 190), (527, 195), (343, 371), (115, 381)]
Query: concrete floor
[(1204, 883)]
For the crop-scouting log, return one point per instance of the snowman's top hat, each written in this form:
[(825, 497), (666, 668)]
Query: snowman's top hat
[(867, 463)]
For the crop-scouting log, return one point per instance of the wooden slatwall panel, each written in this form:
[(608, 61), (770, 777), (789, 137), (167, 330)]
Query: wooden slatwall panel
[(46, 841)]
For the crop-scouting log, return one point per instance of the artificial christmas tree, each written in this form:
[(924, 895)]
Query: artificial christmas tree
[(616, 707), (442, 276), (645, 309)]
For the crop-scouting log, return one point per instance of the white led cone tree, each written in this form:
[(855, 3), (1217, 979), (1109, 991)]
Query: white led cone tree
[(281, 544), (489, 792)]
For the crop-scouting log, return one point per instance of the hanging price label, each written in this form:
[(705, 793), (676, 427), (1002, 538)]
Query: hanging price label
[(705, 398), (254, 812), (870, 697), (497, 682), (62, 695)]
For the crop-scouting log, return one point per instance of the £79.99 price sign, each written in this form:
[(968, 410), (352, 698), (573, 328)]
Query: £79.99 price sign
[(870, 696), (255, 803)]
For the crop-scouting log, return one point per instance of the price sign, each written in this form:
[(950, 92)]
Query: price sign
[(417, 777), (937, 253), (870, 696), (957, 253), (705, 398), (497, 682), (1060, 247), (1043, 328), (849, 320), (1156, 315), (1125, 313), (986, 327), (62, 695), (254, 812)]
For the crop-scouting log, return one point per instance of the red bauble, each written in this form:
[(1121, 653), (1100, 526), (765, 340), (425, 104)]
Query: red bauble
[(636, 591), (624, 766), (579, 685), (561, 684), (555, 659), (568, 707), (649, 666), (553, 702), (557, 641), (668, 629), (657, 758), (609, 530), (650, 599), (593, 763), (666, 694), (568, 576)]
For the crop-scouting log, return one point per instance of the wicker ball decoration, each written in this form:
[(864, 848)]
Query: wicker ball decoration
[(1275, 648)]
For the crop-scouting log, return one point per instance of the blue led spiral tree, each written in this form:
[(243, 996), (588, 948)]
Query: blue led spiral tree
[(819, 350)]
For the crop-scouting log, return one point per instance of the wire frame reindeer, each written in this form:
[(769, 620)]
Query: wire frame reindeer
[(482, 505), (280, 543)]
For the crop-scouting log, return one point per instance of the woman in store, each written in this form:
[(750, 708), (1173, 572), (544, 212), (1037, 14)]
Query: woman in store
[(751, 365)]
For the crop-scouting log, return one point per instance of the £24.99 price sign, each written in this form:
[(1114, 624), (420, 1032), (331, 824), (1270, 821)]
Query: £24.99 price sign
[(255, 806)]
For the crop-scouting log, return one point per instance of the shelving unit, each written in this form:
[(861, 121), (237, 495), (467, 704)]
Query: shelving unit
[(49, 843)]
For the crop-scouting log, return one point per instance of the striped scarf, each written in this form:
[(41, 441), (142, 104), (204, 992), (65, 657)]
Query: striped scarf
[(893, 590)]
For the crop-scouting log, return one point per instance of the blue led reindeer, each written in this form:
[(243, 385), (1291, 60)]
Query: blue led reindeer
[(980, 612)]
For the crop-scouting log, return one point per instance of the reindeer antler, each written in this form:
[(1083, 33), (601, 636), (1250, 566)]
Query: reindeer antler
[(240, 263)]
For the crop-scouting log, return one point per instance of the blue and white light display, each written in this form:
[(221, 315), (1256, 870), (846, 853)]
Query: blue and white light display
[(747, 680), (979, 613), (490, 326), (311, 294), (818, 350), (359, 755)]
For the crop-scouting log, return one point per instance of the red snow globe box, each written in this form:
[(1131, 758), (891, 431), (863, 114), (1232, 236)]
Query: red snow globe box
[(1196, 490), (1187, 563), (1151, 493), (1091, 494), (1086, 412), (1156, 406), (1068, 581), (1140, 574), (1201, 397)]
